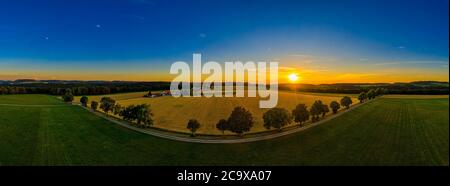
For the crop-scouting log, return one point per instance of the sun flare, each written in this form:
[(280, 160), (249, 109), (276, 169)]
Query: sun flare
[(293, 77)]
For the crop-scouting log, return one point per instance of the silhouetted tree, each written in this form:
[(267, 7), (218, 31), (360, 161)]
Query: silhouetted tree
[(276, 118), (316, 110), (82, 91), (346, 101), (68, 96), (3, 90), (240, 121), (335, 106), (143, 115), (127, 113), (117, 109), (107, 104), (362, 97), (325, 110), (193, 125), (371, 94), (222, 125), (378, 92), (300, 113), (94, 105), (84, 100)]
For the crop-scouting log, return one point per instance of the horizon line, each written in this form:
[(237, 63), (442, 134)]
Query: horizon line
[(143, 81)]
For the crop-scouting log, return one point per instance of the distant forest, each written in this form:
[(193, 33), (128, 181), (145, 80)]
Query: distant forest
[(58, 87)]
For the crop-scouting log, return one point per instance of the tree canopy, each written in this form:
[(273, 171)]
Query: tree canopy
[(107, 104), (300, 113), (335, 106), (193, 125), (325, 110), (346, 101), (84, 100), (222, 125), (362, 97), (240, 120), (141, 114), (316, 109), (94, 105), (276, 118), (68, 96)]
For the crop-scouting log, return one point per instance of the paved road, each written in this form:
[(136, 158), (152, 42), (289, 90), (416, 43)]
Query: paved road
[(171, 136)]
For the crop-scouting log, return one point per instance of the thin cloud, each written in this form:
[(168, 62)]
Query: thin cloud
[(286, 68), (409, 62), (300, 55)]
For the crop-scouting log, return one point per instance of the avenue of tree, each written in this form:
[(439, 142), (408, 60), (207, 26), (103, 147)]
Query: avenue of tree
[(240, 120)]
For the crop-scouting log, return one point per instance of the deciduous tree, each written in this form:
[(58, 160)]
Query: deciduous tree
[(362, 97), (68, 96), (325, 110), (94, 105), (193, 125), (107, 104), (222, 125), (335, 106), (300, 113), (371, 94), (346, 101), (277, 118), (316, 110), (240, 121), (117, 109), (84, 100)]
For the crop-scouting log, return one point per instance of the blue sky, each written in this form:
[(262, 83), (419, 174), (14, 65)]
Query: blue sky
[(132, 35)]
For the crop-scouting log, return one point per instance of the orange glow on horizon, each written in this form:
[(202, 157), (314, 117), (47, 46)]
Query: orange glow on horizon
[(294, 72)]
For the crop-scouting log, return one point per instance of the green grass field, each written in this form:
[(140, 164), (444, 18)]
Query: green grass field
[(30, 100), (383, 132), (173, 113)]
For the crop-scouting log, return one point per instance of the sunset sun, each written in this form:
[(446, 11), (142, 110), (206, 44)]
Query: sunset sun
[(293, 77)]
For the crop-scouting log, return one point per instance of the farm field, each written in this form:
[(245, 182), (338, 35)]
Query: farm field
[(416, 96), (173, 113), (383, 132), (30, 100)]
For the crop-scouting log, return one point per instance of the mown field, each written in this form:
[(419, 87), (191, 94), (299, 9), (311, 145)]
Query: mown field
[(173, 113), (387, 131)]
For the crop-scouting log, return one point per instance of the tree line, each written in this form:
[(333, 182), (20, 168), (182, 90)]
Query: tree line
[(240, 120), (140, 114), (80, 88), (371, 94)]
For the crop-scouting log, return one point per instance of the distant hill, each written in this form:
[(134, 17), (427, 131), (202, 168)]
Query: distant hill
[(417, 87), (105, 87), (24, 80)]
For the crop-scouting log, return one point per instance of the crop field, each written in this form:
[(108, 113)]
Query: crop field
[(383, 132), (173, 113)]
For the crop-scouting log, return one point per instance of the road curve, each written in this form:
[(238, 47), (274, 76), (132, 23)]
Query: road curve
[(168, 135)]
